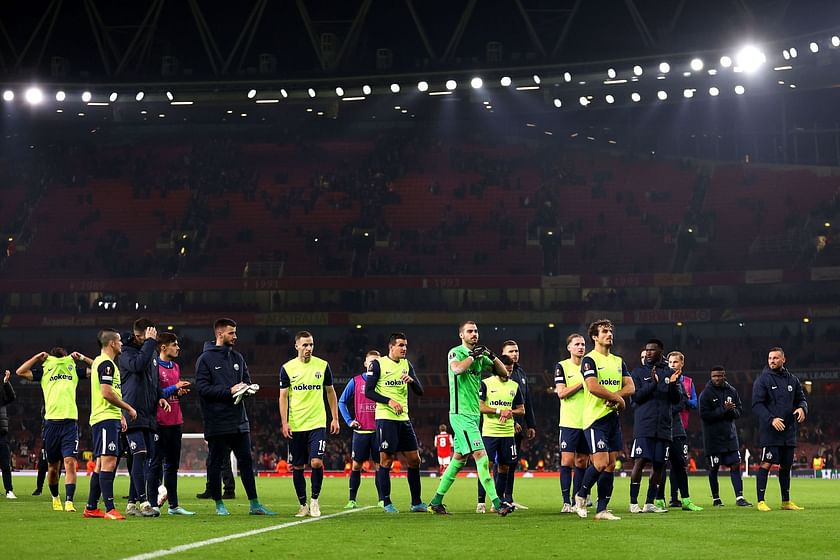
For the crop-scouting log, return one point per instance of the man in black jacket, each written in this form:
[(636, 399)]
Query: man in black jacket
[(220, 374), (720, 406), (779, 402), (141, 389), (526, 426), (656, 391), (7, 395)]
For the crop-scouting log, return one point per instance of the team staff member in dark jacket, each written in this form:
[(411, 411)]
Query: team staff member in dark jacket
[(220, 372), (720, 406), (779, 402), (656, 392), (7, 395), (141, 389)]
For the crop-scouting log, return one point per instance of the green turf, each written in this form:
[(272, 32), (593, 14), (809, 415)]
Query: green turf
[(30, 527)]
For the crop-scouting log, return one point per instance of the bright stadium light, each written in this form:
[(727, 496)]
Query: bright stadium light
[(423, 86), (505, 81), (750, 59), (611, 73), (476, 83), (664, 67), (835, 41), (815, 48), (140, 95), (725, 61), (637, 70), (252, 93), (366, 89), (86, 96), (451, 84), (8, 95), (171, 97), (696, 64), (60, 95), (567, 77), (113, 96), (395, 88), (610, 99), (339, 91), (662, 95), (786, 54), (713, 91), (635, 97), (584, 101), (33, 95), (739, 89), (688, 93), (284, 93), (311, 92), (793, 52), (537, 79), (557, 103)]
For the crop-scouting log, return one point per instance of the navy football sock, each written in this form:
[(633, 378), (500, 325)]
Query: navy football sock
[(385, 483), (565, 483), (784, 482), (106, 483), (414, 485), (605, 488), (54, 490), (713, 482), (95, 491), (299, 480), (138, 476), (355, 482), (589, 479), (737, 481), (580, 473), (317, 478), (70, 491), (761, 483)]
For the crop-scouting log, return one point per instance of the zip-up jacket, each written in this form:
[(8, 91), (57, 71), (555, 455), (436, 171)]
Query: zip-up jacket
[(653, 401), (218, 369), (677, 427), (6, 396), (719, 433), (140, 381), (776, 394), (529, 420)]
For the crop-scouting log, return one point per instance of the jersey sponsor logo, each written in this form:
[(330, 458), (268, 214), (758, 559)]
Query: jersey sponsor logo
[(498, 403), (61, 376), (306, 387), (610, 382), (394, 382)]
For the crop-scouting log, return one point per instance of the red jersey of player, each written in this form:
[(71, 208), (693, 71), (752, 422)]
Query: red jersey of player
[(443, 445)]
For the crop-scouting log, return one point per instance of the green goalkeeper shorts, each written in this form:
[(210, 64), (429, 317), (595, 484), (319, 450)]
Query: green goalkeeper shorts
[(467, 433)]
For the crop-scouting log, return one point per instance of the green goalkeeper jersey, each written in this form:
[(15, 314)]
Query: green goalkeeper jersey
[(464, 387)]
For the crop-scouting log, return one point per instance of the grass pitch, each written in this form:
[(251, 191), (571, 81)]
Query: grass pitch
[(30, 528)]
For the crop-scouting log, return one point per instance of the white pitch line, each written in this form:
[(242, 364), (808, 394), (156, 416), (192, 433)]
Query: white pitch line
[(217, 540)]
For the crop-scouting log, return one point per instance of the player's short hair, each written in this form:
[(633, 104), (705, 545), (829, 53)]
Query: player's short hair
[(395, 336), (573, 336), (141, 324), (373, 353), (505, 359), (442, 427), (656, 342), (222, 323), (464, 324), (777, 349), (106, 336), (679, 355), (166, 338), (302, 334), (595, 326), (718, 368), (507, 343), (58, 352)]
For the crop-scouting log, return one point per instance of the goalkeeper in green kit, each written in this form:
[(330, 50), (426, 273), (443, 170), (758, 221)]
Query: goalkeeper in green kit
[(466, 364)]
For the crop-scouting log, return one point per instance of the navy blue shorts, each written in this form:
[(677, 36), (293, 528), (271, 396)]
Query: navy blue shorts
[(106, 438), (728, 459), (604, 435), (396, 436), (778, 454), (61, 439), (651, 449), (307, 445), (501, 450), (365, 446), (140, 440), (573, 440), (679, 447)]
